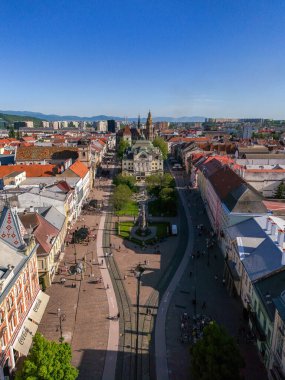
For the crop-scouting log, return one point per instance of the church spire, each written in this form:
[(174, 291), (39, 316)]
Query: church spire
[(139, 121), (149, 127)]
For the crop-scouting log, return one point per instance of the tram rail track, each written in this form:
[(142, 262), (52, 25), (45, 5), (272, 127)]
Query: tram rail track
[(126, 352)]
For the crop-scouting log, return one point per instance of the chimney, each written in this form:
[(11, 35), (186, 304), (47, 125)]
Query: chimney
[(273, 229), (280, 238), (283, 257), (268, 224)]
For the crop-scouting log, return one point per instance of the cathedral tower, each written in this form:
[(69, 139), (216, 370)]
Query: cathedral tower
[(149, 127)]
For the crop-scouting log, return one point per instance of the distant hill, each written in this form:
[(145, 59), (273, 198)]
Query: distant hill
[(12, 118), (41, 116)]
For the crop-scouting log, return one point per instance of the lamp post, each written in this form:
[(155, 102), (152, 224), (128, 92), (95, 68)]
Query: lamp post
[(138, 273), (61, 318)]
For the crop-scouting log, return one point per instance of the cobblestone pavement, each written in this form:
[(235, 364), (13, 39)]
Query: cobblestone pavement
[(203, 281), (85, 307)]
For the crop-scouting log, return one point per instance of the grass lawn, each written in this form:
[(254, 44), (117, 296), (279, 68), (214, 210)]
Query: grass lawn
[(124, 229), (130, 208), (162, 231), (155, 209)]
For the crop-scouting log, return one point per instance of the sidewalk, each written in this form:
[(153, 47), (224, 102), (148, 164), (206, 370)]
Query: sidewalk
[(85, 307), (199, 282), (113, 339)]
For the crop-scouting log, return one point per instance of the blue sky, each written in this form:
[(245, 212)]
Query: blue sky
[(213, 58)]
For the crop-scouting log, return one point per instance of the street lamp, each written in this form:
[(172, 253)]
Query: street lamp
[(61, 318), (138, 274)]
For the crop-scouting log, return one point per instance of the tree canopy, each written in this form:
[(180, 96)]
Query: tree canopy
[(162, 145), (47, 360), (156, 182), (128, 180), (120, 196), (216, 356), (280, 191), (12, 132), (123, 145)]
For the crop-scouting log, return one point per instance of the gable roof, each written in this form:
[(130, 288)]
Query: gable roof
[(43, 231), (79, 169)]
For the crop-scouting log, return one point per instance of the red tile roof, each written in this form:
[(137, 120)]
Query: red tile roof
[(188, 139), (43, 231), (34, 170), (79, 169), (224, 181), (63, 186), (45, 153), (274, 206)]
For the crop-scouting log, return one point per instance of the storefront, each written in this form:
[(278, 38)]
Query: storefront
[(24, 339)]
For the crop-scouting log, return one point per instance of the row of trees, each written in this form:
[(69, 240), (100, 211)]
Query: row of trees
[(125, 187), (162, 145), (162, 186)]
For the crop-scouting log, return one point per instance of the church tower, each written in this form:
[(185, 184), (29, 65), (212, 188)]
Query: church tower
[(149, 127)]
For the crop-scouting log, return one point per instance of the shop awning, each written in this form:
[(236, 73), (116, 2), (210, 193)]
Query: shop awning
[(39, 306), (24, 339)]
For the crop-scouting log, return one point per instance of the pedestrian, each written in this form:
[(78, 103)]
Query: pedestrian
[(224, 281), (102, 261), (107, 286), (216, 277), (119, 247), (190, 273)]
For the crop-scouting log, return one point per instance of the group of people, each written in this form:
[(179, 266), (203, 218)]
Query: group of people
[(192, 328)]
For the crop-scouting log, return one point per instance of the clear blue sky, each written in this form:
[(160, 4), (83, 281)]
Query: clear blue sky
[(213, 58)]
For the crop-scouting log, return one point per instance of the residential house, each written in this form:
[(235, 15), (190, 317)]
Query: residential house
[(49, 245)]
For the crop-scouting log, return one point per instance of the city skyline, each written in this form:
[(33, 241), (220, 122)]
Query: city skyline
[(209, 59)]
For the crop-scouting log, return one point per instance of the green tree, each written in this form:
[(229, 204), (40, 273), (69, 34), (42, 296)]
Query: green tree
[(128, 180), (216, 356), (121, 196), (47, 360), (280, 191), (162, 145), (12, 132), (156, 182), (123, 145), (167, 195)]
